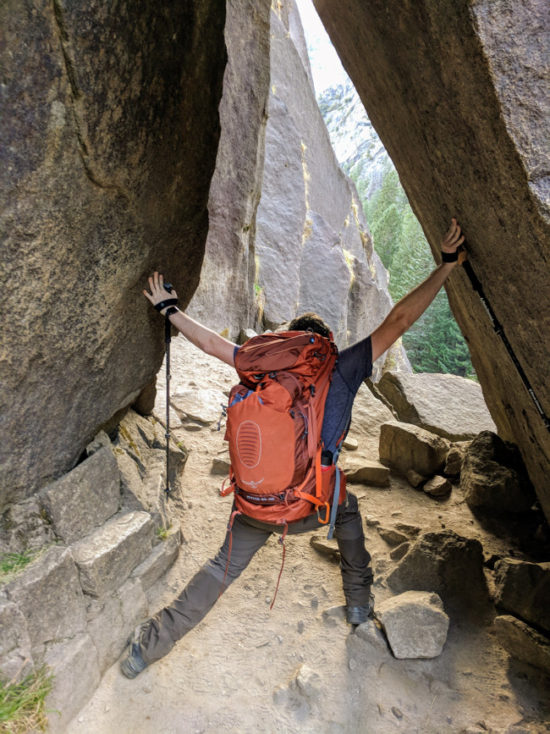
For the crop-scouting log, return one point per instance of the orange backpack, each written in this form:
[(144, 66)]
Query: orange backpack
[(274, 420)]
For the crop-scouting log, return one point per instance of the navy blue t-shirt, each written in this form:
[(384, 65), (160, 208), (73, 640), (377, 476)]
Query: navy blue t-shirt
[(353, 366)]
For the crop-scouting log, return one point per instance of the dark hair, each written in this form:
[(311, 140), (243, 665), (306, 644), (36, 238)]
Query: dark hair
[(310, 322)]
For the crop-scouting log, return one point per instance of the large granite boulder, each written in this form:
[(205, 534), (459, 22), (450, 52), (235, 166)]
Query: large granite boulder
[(523, 589), (457, 92), (493, 476), (448, 405), (440, 562), (108, 132)]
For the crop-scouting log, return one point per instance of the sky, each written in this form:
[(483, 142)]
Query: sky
[(326, 67)]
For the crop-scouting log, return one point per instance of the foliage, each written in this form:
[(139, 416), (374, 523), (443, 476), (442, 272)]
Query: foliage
[(434, 343), (22, 705), (12, 563), (163, 532)]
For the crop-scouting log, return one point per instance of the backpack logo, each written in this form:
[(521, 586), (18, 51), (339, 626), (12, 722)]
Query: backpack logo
[(249, 444)]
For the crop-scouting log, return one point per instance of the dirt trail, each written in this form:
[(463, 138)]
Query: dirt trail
[(237, 671)]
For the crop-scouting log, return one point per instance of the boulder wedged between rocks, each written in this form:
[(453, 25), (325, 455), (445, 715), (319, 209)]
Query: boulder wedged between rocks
[(493, 476), (451, 566), (447, 405)]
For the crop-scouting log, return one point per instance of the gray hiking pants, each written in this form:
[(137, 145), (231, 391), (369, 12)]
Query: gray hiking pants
[(249, 535)]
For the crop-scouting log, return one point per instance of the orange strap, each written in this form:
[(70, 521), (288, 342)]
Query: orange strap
[(318, 475), (282, 542)]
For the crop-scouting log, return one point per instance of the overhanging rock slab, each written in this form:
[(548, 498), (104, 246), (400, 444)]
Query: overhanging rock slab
[(458, 93)]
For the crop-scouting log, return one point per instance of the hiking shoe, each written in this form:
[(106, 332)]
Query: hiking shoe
[(358, 615), (133, 663)]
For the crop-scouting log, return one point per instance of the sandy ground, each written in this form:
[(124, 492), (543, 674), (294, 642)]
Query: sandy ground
[(246, 669)]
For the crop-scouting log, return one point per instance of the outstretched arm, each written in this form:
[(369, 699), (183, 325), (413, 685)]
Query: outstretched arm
[(199, 335), (412, 306)]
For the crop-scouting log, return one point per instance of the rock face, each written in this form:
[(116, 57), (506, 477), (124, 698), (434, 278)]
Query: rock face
[(225, 297), (305, 244), (108, 133), (448, 405), (457, 94), (312, 243), (493, 476)]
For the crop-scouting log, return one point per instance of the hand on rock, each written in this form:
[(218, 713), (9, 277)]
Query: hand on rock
[(158, 292), (453, 238)]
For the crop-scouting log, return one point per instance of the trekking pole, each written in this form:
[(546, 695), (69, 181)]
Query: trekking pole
[(167, 339), (170, 302), (499, 330)]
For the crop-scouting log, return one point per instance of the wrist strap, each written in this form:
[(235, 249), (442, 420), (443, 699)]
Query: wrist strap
[(449, 257), (170, 311), (167, 302)]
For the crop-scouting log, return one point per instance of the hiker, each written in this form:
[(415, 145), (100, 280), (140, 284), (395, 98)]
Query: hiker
[(246, 535)]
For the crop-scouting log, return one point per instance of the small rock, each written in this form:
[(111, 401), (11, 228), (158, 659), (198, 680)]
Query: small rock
[(438, 487), (371, 521), (307, 682), (370, 633), (409, 530), (368, 472), (455, 457), (221, 466), (392, 536), (415, 479), (192, 426), (351, 444), (403, 446), (328, 548), (396, 712), (300, 627)]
